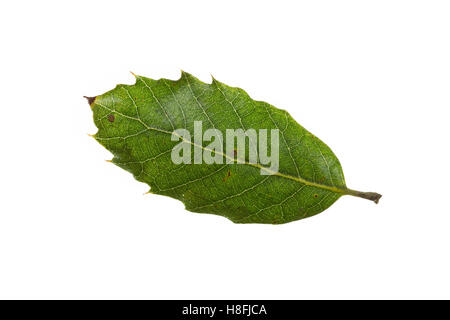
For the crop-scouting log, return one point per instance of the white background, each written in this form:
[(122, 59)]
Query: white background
[(370, 78)]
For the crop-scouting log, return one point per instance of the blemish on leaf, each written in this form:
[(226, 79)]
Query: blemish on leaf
[(111, 118), (227, 176), (316, 195)]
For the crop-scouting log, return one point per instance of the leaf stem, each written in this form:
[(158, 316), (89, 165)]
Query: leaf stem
[(375, 197)]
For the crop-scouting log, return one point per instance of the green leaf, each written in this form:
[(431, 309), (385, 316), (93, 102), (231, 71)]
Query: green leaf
[(135, 122)]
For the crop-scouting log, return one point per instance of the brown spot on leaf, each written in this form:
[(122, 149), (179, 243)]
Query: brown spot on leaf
[(316, 195), (227, 176), (111, 118)]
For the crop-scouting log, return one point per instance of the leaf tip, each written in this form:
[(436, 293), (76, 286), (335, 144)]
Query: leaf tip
[(90, 100)]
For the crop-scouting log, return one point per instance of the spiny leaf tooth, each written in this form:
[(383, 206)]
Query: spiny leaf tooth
[(182, 73), (188, 75)]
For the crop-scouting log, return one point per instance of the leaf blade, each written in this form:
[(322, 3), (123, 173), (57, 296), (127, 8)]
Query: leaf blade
[(144, 115)]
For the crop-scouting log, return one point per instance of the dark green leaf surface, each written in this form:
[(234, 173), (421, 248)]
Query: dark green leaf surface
[(135, 122)]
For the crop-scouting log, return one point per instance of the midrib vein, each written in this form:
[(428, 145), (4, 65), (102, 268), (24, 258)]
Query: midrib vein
[(255, 165)]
